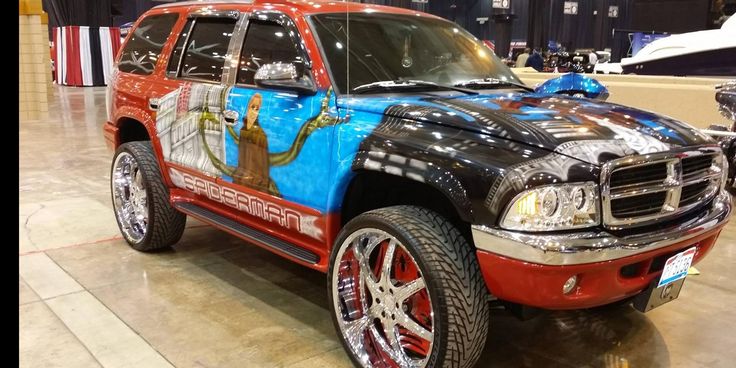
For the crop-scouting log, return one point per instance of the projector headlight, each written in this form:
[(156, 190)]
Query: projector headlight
[(554, 207)]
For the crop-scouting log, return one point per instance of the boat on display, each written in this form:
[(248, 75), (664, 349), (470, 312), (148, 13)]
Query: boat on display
[(711, 52)]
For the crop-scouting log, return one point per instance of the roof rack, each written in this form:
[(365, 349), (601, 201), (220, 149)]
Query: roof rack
[(202, 2)]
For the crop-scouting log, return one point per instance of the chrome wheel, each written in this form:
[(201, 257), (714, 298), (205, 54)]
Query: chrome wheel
[(129, 197), (383, 308)]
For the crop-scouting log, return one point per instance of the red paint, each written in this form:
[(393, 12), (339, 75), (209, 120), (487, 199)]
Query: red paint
[(73, 62), (598, 283), (292, 236)]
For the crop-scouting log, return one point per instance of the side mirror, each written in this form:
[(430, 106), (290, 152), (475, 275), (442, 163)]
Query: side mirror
[(284, 76)]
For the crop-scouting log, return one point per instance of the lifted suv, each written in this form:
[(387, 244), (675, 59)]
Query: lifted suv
[(409, 164)]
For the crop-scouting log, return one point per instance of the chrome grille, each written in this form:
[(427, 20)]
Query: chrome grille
[(642, 190)]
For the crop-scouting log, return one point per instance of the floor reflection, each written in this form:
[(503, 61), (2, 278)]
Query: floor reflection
[(611, 337)]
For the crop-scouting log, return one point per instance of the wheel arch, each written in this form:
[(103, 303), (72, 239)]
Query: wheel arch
[(372, 189)]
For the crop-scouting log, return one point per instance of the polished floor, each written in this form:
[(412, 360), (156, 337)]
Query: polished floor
[(88, 300)]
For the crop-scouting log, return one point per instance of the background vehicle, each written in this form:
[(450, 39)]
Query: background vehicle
[(726, 135), (409, 164)]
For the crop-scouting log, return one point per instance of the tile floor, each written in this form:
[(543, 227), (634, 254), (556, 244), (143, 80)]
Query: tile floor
[(88, 300)]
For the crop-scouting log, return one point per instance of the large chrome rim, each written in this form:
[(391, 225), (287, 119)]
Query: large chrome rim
[(383, 307), (129, 197)]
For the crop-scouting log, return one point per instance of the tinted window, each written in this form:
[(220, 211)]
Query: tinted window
[(176, 54), (388, 47), (205, 54), (143, 48), (265, 43)]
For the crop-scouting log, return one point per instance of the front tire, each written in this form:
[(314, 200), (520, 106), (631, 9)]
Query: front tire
[(406, 290), (140, 199)]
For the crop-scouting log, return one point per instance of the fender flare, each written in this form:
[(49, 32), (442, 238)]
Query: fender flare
[(432, 174)]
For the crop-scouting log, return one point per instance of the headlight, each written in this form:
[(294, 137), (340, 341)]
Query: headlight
[(553, 207)]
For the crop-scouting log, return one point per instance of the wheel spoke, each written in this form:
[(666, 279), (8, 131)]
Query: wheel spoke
[(354, 330), (415, 327), (366, 276), (405, 291), (397, 355), (388, 259)]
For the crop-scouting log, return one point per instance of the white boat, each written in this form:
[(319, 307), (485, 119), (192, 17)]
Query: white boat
[(711, 52)]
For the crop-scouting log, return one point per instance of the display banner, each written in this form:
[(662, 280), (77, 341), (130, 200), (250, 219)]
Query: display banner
[(83, 56)]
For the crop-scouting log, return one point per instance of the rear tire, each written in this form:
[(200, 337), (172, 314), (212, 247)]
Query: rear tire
[(441, 322), (140, 199)]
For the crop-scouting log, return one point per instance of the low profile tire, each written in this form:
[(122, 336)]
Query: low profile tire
[(405, 290), (140, 199)]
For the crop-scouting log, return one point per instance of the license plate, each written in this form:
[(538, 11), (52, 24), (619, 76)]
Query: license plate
[(676, 267)]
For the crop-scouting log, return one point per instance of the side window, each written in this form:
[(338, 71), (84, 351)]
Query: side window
[(176, 54), (265, 42), (142, 50), (205, 54)]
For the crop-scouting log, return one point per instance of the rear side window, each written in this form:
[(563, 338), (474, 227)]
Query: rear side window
[(176, 54), (205, 53), (144, 47)]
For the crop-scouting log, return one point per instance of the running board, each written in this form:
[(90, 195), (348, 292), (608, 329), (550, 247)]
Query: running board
[(247, 232)]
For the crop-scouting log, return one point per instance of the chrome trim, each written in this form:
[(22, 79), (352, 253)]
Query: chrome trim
[(596, 246), (205, 12), (360, 301), (672, 184), (718, 133), (232, 59)]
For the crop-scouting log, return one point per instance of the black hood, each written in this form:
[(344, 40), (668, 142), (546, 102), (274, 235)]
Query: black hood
[(589, 130)]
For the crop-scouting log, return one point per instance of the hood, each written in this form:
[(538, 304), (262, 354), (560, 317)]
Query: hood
[(589, 130)]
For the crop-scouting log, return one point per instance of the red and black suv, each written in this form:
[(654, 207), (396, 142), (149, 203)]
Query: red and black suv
[(392, 150)]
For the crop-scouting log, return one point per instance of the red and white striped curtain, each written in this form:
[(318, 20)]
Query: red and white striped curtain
[(83, 56)]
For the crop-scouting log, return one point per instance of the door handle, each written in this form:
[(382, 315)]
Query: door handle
[(230, 116), (153, 103)]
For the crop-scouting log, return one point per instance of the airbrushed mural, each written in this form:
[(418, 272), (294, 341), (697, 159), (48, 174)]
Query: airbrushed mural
[(272, 147)]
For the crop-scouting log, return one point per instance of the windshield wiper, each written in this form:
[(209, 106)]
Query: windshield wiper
[(409, 83), (491, 82)]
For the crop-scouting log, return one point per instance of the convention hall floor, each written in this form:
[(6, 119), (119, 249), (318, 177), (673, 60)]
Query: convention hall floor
[(87, 299)]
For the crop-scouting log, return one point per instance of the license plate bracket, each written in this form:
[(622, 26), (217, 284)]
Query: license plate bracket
[(655, 296), (667, 287)]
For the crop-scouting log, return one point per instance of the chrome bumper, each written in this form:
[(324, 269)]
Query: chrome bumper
[(596, 246)]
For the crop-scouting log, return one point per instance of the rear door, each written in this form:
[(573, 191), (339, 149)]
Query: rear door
[(189, 121)]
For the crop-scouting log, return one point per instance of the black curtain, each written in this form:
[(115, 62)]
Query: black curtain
[(94, 13)]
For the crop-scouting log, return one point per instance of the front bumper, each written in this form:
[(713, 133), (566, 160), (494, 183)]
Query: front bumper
[(530, 269)]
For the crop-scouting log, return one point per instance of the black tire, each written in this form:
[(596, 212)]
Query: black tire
[(447, 262), (165, 224)]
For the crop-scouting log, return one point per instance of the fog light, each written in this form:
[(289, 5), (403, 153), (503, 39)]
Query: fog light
[(570, 284)]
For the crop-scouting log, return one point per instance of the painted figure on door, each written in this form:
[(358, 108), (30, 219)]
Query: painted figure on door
[(253, 166)]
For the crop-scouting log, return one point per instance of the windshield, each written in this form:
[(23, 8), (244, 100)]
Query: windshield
[(390, 47)]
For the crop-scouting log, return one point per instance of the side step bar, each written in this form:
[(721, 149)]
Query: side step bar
[(247, 232)]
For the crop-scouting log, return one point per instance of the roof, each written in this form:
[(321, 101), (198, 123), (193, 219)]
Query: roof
[(302, 6)]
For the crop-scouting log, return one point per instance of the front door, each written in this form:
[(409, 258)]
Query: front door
[(280, 144)]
